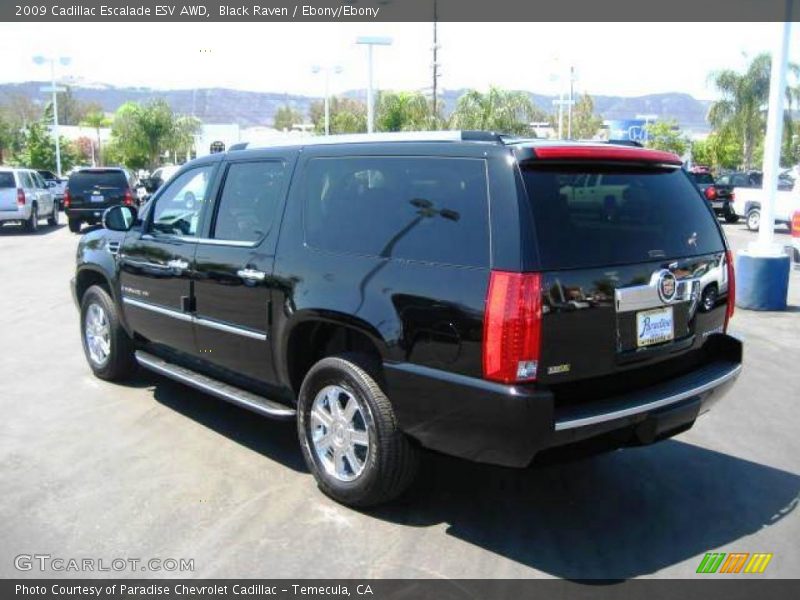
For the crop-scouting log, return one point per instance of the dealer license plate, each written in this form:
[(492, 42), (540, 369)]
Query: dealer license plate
[(654, 326)]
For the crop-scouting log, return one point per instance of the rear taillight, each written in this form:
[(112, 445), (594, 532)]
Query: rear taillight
[(711, 193), (66, 199), (731, 289), (128, 199), (512, 327), (796, 224), (20, 197)]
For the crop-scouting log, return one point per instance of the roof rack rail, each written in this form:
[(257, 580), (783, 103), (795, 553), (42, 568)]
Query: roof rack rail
[(398, 136)]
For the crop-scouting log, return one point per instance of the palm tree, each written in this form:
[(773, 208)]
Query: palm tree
[(96, 120), (741, 112), (402, 111), (497, 110)]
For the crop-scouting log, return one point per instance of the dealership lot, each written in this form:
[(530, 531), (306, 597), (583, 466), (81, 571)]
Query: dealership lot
[(153, 469)]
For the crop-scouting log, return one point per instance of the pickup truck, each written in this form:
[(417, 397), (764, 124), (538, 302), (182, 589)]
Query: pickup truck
[(747, 204)]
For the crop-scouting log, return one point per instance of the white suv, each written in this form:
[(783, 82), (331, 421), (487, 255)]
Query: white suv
[(25, 198)]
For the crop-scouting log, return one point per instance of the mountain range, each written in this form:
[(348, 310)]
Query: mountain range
[(222, 105)]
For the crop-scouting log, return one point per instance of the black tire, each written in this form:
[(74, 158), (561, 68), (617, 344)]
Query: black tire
[(709, 299), (32, 224), (52, 220), (753, 219), (731, 217), (120, 363), (74, 225), (391, 462)]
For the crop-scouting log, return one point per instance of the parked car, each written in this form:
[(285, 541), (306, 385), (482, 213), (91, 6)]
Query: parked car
[(55, 184), (450, 291), (25, 198), (717, 194), (149, 185), (753, 179), (747, 202), (90, 191)]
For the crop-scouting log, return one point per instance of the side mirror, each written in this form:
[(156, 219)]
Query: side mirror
[(51, 183), (119, 218)]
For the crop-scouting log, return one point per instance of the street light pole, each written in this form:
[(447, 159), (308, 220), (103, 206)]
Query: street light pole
[(327, 74), (371, 41), (40, 60), (55, 116)]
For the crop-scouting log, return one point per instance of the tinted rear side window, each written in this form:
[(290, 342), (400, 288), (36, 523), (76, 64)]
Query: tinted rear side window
[(424, 209), (250, 196), (7, 180), (89, 180), (606, 216)]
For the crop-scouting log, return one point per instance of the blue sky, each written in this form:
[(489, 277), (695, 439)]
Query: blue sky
[(624, 59)]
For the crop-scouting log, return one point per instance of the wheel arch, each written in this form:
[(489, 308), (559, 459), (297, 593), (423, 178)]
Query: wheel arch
[(313, 335)]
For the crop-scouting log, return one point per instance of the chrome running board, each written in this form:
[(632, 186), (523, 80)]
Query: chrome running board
[(232, 394)]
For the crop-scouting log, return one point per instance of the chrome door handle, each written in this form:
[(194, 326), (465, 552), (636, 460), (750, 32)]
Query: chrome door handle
[(251, 274), (177, 265)]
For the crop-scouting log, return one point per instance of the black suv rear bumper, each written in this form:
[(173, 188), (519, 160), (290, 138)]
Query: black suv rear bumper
[(508, 425), (88, 215)]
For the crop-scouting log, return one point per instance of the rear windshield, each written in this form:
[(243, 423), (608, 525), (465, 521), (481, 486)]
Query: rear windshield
[(592, 217), (7, 180), (88, 180), (702, 177)]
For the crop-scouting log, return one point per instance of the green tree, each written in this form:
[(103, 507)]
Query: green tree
[(402, 111), (585, 124), (97, 120), (143, 132), (666, 135), (347, 115), (286, 117), (497, 110), (183, 135), (741, 111), (38, 148)]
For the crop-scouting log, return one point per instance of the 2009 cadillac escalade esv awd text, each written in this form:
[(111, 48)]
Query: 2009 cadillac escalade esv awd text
[(473, 294)]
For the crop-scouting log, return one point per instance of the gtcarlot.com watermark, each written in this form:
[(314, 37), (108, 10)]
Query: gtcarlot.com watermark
[(59, 564)]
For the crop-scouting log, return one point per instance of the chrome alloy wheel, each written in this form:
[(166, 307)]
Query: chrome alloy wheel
[(97, 334), (339, 433)]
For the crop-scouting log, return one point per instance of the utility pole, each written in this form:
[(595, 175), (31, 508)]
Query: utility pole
[(571, 100)]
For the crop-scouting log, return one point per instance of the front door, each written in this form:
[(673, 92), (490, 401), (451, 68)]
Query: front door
[(234, 265), (157, 263)]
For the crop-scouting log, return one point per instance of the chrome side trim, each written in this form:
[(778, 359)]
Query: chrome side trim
[(642, 408), (256, 335), (225, 392), (175, 314), (216, 242), (182, 316)]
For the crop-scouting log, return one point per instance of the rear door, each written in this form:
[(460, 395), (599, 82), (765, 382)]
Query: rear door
[(8, 192), (623, 275), (157, 262), (97, 188), (234, 267)]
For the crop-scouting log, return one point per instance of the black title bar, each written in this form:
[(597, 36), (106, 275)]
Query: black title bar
[(401, 10)]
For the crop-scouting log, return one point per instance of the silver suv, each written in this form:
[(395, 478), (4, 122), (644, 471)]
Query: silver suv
[(25, 198)]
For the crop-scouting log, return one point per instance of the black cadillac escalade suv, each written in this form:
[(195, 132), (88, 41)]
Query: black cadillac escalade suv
[(473, 294)]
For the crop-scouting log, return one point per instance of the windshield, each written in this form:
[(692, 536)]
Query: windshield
[(589, 217)]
